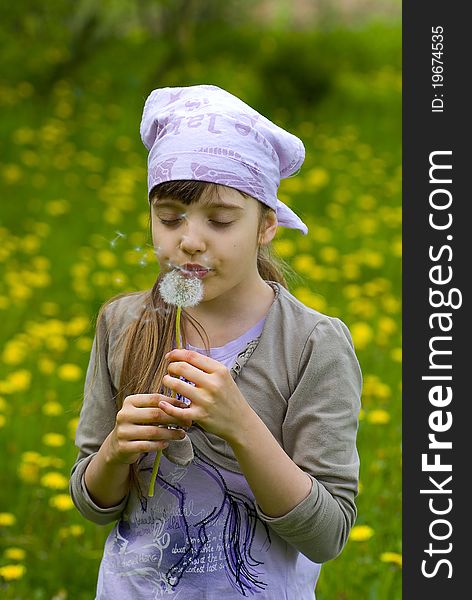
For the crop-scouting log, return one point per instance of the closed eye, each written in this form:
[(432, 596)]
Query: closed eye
[(175, 222), (170, 223)]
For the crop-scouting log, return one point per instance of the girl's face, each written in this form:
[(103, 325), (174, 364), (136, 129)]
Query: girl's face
[(219, 233)]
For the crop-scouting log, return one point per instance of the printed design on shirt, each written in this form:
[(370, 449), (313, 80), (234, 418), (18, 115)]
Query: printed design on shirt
[(238, 535), (179, 539)]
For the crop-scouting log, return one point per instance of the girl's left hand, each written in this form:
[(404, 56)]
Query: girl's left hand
[(217, 403)]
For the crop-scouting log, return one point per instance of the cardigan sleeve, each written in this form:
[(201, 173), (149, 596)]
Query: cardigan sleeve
[(96, 421), (319, 434)]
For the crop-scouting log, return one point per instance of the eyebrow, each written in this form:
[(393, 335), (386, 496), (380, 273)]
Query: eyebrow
[(173, 203)]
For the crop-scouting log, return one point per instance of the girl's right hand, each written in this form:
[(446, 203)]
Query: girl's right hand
[(142, 427)]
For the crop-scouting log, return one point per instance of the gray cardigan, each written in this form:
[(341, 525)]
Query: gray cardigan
[(302, 378)]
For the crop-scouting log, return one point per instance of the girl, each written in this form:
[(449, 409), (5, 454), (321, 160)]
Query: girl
[(259, 473)]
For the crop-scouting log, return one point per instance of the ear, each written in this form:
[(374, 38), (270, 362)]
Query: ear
[(269, 228)]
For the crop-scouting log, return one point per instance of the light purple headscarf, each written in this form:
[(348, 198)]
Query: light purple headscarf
[(205, 133)]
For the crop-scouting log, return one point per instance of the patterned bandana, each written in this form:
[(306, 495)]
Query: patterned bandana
[(205, 133)]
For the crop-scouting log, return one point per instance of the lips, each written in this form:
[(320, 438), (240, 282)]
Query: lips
[(194, 270)]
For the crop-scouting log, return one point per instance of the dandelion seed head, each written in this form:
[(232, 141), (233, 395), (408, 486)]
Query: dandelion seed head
[(181, 290)]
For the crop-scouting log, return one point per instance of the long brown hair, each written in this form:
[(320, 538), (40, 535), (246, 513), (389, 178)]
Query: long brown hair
[(149, 336)]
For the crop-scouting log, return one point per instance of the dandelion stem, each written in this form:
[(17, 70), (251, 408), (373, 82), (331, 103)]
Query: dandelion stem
[(157, 460)]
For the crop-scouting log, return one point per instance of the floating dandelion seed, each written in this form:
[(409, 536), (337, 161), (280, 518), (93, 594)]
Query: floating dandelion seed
[(119, 235), (181, 291)]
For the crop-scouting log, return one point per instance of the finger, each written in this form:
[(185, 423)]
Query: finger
[(191, 373), (146, 400), (183, 415), (200, 361), (152, 434), (150, 416), (179, 386)]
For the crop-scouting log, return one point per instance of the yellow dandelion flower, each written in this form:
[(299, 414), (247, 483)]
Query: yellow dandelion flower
[(54, 440), (4, 301), (352, 291), (317, 177), (335, 211), (56, 342), (11, 173), (51, 461), (397, 247), (14, 553), (396, 354), (391, 557), (72, 426), (14, 352), (378, 417), (382, 390), (329, 254), (77, 326), (7, 519), (30, 243), (20, 292), (368, 226), (310, 299), (3, 404), (31, 457), (12, 572), (387, 325), (367, 202), (37, 279), (54, 481), (304, 263), (19, 381), (106, 258), (61, 502), (119, 278), (46, 365), (391, 304), (69, 372), (372, 259), (322, 234), (362, 334), (112, 215), (76, 530), (361, 533), (361, 414), (351, 270), (101, 279), (28, 472), (52, 409), (57, 207), (284, 247), (84, 344)]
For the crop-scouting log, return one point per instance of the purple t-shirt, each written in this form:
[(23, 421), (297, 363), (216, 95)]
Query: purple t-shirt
[(199, 537)]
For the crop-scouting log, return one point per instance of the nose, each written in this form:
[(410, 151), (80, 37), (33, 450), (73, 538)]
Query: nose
[(192, 240)]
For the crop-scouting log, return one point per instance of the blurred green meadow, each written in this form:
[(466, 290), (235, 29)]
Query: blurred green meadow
[(74, 231)]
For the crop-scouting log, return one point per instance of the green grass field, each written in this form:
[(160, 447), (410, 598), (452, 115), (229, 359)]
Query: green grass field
[(74, 232)]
